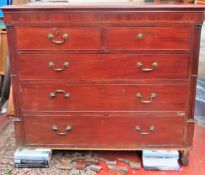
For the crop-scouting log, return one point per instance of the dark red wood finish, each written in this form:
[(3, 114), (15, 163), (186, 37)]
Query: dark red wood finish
[(83, 38), (102, 66), (154, 38), (85, 97), (103, 47), (87, 132)]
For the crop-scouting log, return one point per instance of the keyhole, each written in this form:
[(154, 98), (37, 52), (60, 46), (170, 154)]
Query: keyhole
[(101, 60), (57, 33)]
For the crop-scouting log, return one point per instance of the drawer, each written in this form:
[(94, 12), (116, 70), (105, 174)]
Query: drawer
[(96, 67), (152, 38), (87, 97), (64, 38), (103, 132)]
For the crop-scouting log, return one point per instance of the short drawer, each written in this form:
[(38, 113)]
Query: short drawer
[(103, 132), (63, 38), (151, 38), (87, 97), (101, 67)]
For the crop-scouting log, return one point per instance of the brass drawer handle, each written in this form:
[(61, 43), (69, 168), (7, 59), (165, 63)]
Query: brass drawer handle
[(140, 36), (52, 37), (53, 94), (56, 130), (152, 96), (52, 66), (151, 129), (154, 66)]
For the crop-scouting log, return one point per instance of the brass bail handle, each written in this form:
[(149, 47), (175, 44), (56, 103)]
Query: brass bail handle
[(52, 37), (65, 94), (52, 66), (141, 66), (151, 129), (140, 97), (56, 130)]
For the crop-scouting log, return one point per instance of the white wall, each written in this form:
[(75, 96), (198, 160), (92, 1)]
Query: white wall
[(202, 45)]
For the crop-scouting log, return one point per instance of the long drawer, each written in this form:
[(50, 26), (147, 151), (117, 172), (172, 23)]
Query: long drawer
[(108, 66), (116, 38), (87, 97), (143, 38), (103, 132), (63, 38)]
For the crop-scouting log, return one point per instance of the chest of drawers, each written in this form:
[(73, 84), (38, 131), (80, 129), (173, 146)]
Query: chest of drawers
[(111, 76)]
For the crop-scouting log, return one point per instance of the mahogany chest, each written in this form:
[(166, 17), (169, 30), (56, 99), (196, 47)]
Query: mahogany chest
[(104, 76)]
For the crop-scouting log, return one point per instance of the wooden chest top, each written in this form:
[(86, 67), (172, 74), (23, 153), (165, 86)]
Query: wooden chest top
[(101, 12)]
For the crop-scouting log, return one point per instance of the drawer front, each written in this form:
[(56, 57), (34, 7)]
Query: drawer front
[(96, 67), (86, 97), (47, 38), (103, 132), (143, 38)]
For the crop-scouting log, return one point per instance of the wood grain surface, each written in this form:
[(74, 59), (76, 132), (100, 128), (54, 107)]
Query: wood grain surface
[(103, 92)]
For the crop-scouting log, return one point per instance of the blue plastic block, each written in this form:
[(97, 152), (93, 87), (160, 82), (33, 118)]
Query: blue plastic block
[(2, 3)]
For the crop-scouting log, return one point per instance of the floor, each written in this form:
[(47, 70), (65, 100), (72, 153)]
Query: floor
[(7, 148)]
